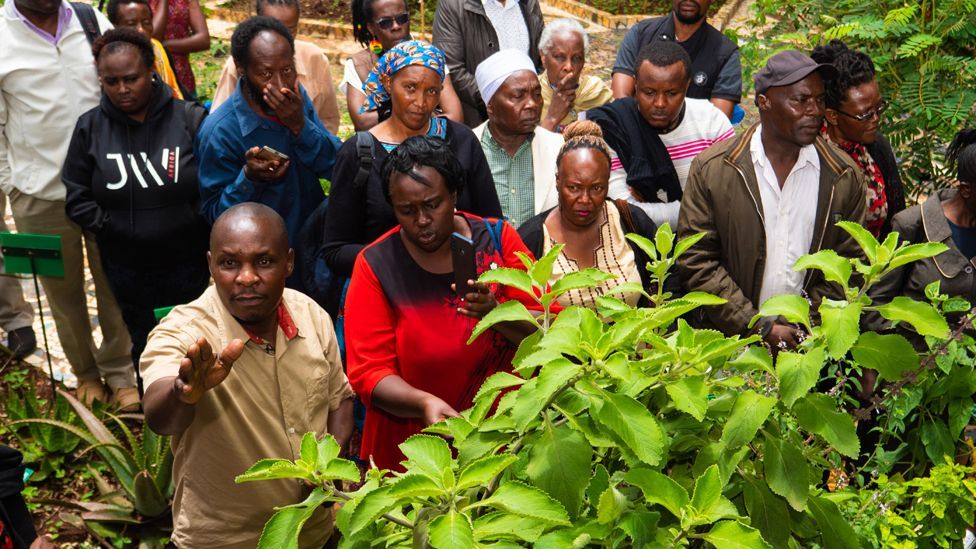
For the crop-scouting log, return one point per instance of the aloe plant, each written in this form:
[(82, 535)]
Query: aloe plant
[(45, 447)]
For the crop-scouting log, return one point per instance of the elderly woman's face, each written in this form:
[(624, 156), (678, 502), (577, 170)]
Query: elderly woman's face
[(424, 212), (859, 100), (414, 93), (582, 182), (564, 59)]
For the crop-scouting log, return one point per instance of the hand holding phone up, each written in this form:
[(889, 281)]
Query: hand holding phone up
[(264, 164)]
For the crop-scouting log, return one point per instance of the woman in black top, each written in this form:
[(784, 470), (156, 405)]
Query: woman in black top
[(131, 179), (410, 75)]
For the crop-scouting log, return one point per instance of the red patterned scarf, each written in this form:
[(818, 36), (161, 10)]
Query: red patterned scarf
[(877, 200)]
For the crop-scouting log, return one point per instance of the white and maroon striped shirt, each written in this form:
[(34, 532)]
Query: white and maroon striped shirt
[(702, 125)]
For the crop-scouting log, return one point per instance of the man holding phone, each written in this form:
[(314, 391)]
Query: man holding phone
[(266, 144)]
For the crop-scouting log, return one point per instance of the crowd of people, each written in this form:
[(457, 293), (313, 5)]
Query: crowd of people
[(492, 136)]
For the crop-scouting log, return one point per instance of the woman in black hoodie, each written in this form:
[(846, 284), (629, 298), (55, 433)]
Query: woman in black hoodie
[(131, 179)]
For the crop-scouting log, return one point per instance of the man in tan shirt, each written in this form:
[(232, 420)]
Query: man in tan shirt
[(239, 375), (311, 63)]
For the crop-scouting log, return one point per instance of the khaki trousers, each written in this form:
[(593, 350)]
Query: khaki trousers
[(66, 296), (15, 313)]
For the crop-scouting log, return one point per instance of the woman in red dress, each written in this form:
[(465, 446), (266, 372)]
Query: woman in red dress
[(182, 28), (406, 329)]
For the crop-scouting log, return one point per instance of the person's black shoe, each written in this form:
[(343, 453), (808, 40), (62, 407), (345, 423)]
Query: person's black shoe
[(21, 342)]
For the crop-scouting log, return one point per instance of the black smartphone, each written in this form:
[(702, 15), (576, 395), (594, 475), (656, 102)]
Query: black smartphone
[(462, 256)]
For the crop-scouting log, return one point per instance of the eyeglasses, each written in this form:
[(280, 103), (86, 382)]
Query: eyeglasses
[(868, 115), (386, 23)]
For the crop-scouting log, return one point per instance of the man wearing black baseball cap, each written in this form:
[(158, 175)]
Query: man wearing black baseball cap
[(766, 198)]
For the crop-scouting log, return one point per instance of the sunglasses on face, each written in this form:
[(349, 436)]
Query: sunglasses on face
[(386, 23), (868, 115)]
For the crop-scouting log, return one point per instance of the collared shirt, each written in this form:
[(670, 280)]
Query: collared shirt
[(509, 24), (789, 216), (314, 74), (513, 175), (231, 130), (261, 410), (64, 17), (44, 88)]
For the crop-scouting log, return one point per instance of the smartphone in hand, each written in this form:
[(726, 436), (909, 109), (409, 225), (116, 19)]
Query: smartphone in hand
[(269, 154), (462, 257)]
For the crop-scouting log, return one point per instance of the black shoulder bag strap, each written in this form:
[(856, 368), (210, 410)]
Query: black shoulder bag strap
[(364, 151), (86, 16)]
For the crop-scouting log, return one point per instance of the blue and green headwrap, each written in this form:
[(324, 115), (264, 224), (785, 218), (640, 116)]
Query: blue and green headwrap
[(404, 54)]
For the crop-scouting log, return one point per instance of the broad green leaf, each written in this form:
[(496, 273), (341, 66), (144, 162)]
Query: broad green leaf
[(915, 252), (686, 243), (496, 382), (834, 267), (891, 355), (664, 240), (834, 529), (541, 271), (628, 288), (640, 526), (840, 322), (793, 308), (690, 395), (559, 463), (284, 527), (427, 455), (328, 449), (456, 428), (340, 469), (644, 244), (633, 426), (521, 499), (451, 530), (587, 278), (817, 413), (510, 311), (754, 358), (707, 500), (370, 508), (413, 485), (787, 472), (516, 278), (748, 414), (309, 450), (863, 237), (925, 318), (268, 469), (937, 440), (611, 506), (481, 471), (659, 489), (798, 373), (532, 397), (730, 534), (960, 412), (766, 512), (499, 525), (479, 444)]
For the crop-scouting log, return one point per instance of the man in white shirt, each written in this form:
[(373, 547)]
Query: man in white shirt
[(766, 198), (661, 127), (47, 80)]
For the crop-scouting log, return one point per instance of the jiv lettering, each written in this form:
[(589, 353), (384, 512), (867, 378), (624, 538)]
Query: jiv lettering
[(169, 166)]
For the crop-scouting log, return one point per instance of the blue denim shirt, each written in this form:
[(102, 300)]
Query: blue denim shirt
[(234, 128)]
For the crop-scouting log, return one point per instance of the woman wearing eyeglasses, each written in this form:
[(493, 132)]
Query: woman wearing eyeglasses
[(853, 119), (379, 25)]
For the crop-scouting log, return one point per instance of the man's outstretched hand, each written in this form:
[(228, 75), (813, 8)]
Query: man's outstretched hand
[(201, 370)]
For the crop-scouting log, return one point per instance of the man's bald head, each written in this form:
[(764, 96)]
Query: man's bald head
[(248, 217)]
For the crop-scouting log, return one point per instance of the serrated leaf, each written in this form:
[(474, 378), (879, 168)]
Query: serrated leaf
[(791, 307), (754, 358), (925, 318), (509, 311), (268, 469), (633, 427), (659, 489), (707, 501), (787, 473), (915, 252), (937, 440), (767, 512), (575, 280), (798, 373), (309, 450), (611, 506), (426, 455), (499, 525), (817, 413), (686, 243), (283, 528), (532, 397), (521, 499), (664, 240), (840, 322), (370, 508), (480, 471), (748, 414), (340, 469), (541, 271), (559, 463), (891, 355), (414, 485), (328, 449), (834, 529), (690, 395), (863, 237), (834, 267), (730, 534), (451, 530), (515, 278), (496, 382)]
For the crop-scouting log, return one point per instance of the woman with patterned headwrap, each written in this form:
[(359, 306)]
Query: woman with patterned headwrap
[(410, 77)]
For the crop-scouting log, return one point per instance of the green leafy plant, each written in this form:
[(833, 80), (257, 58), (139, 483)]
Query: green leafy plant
[(627, 427), (135, 500), (45, 447)]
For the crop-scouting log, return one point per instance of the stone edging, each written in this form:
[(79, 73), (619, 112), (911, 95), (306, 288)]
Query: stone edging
[(309, 27), (593, 15)]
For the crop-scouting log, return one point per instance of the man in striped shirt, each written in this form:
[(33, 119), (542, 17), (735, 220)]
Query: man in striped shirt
[(685, 128)]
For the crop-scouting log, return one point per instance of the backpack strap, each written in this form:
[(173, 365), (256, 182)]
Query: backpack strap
[(86, 16), (194, 117), (495, 228), (364, 151), (626, 214)]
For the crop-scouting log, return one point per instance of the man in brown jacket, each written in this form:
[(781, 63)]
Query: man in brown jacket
[(766, 198)]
